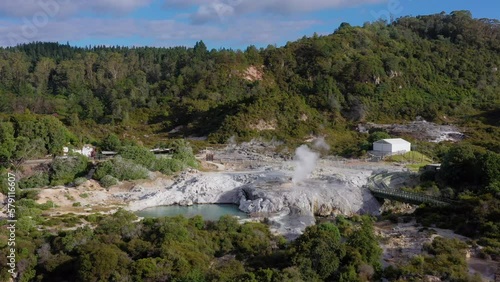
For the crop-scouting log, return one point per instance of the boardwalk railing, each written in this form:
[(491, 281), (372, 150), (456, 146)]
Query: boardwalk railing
[(379, 188)]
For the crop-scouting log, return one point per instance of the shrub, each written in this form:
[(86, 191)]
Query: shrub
[(126, 170), (378, 135), (37, 180), (47, 205), (93, 218), (79, 181), (77, 204), (64, 170), (139, 155), (108, 181), (134, 162), (111, 143), (122, 169), (4, 189), (103, 169), (168, 166), (184, 153), (462, 166)]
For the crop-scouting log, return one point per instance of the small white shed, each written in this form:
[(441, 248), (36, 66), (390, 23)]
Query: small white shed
[(391, 146), (86, 150)]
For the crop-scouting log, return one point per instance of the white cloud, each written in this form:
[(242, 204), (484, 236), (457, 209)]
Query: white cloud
[(66, 30), (239, 32), (27, 8), (216, 11), (185, 3), (61, 8), (220, 10), (225, 22), (295, 6), (117, 5)]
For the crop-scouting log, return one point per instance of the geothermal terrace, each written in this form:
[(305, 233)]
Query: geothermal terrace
[(287, 191), (286, 188)]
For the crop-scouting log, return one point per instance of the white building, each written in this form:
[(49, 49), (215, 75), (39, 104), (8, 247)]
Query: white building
[(391, 146), (86, 150)]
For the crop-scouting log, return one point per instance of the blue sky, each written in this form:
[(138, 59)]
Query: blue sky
[(219, 23)]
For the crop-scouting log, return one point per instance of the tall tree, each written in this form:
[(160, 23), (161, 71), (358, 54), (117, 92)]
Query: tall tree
[(7, 142)]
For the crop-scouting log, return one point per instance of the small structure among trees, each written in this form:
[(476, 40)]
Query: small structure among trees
[(87, 150), (209, 154), (391, 146)]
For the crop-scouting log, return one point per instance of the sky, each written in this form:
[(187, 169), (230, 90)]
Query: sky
[(233, 24)]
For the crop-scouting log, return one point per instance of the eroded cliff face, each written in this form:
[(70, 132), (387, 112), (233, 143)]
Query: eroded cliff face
[(321, 196), (193, 188)]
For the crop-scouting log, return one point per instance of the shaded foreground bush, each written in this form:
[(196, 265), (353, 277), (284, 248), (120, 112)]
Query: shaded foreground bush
[(119, 248), (65, 170), (39, 179), (121, 169)]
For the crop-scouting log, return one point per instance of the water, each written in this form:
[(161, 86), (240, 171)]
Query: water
[(209, 212)]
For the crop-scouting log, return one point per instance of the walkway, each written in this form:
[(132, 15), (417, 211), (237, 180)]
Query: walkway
[(380, 189)]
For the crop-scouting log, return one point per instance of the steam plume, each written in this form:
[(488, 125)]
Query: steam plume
[(305, 162), (231, 141), (321, 144)]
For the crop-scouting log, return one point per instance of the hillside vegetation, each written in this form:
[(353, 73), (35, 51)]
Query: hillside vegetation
[(442, 67), (118, 248)]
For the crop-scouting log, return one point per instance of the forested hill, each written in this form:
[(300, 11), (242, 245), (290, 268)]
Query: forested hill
[(438, 66)]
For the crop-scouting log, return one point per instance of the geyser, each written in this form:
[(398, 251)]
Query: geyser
[(305, 162)]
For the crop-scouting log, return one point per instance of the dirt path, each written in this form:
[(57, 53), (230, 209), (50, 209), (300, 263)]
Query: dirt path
[(220, 167)]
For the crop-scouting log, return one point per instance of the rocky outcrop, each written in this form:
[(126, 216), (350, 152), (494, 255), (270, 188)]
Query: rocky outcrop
[(270, 193), (253, 73), (314, 196), (193, 188), (264, 125), (431, 278), (420, 130)]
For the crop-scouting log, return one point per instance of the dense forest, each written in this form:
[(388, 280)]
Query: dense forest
[(118, 248), (441, 67)]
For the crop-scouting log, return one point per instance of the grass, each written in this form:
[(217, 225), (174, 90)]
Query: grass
[(415, 160), (416, 166), (410, 157)]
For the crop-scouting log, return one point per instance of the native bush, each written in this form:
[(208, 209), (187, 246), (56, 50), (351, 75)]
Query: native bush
[(184, 153), (139, 155), (65, 170), (108, 181), (79, 181), (168, 166), (121, 169), (111, 143), (37, 180), (183, 156)]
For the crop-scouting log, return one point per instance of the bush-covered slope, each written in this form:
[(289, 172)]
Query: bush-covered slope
[(437, 66)]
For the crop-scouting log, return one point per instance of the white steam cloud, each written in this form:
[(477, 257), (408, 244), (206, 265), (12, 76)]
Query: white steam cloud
[(305, 162), (232, 141), (321, 144)]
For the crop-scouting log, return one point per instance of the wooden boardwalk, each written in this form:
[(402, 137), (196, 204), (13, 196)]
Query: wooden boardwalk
[(380, 189)]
